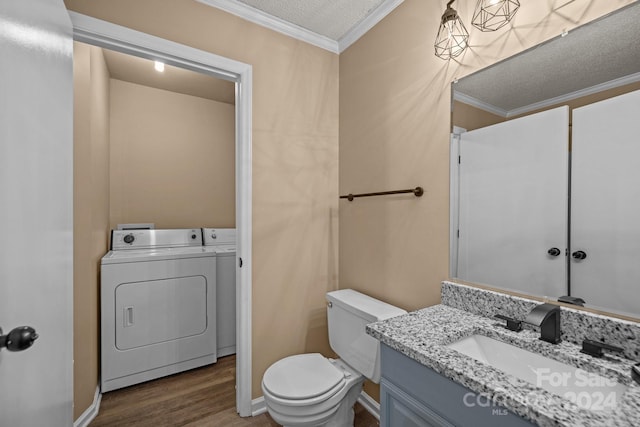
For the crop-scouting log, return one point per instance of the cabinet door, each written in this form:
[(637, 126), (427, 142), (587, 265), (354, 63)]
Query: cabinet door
[(513, 203), (605, 203), (412, 394), (401, 410)]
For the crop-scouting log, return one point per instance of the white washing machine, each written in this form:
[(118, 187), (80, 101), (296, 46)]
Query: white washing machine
[(158, 299), (222, 241)]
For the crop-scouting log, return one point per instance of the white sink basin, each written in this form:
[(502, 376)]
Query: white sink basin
[(587, 390)]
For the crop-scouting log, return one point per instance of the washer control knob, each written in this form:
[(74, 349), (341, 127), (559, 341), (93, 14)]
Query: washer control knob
[(129, 238), (193, 236)]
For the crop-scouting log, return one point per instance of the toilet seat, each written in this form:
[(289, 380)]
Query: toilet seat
[(303, 379)]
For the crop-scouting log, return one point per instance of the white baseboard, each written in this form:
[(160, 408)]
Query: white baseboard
[(91, 412), (370, 405), (258, 406)]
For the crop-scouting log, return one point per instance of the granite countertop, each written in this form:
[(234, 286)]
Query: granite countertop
[(424, 334)]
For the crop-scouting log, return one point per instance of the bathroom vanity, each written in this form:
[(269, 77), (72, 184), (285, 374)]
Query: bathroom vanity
[(438, 371), (414, 395)]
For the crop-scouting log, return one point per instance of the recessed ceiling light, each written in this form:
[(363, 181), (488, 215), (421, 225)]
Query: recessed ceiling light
[(159, 66)]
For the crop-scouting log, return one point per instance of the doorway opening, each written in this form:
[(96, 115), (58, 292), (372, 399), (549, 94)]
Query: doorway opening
[(123, 40)]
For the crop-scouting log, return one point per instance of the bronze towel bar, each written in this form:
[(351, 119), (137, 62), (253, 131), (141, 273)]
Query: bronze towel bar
[(418, 192)]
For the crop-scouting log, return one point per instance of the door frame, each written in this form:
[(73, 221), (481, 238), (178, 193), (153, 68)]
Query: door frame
[(454, 198), (115, 37)]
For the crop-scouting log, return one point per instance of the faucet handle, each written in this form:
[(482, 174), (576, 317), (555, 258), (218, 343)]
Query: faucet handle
[(596, 348), (512, 324)]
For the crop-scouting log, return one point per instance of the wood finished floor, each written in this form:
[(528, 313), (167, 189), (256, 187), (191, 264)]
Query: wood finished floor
[(197, 398)]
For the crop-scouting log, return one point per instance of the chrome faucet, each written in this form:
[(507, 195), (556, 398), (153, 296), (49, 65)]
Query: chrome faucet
[(547, 317)]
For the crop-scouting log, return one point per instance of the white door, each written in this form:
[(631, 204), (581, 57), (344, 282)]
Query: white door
[(605, 203), (36, 172), (513, 204)]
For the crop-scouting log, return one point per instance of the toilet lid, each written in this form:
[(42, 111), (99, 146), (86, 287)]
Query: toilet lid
[(302, 376)]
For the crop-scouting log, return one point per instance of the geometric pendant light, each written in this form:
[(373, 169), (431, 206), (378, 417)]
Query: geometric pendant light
[(493, 14), (453, 37)]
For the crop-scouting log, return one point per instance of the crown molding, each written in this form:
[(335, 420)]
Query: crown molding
[(281, 26), (274, 23), (611, 84), (385, 8), (474, 102)]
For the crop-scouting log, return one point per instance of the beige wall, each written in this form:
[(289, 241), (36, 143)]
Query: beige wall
[(172, 158), (394, 133), (470, 118), (90, 212), (295, 164)]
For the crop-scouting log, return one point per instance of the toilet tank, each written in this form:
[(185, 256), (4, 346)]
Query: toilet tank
[(348, 313)]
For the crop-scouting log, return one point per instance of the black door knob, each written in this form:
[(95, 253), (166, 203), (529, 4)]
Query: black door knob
[(579, 255), (554, 251), (18, 339)]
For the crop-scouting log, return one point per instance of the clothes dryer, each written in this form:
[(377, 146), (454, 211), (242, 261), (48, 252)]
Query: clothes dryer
[(158, 306), (222, 241)]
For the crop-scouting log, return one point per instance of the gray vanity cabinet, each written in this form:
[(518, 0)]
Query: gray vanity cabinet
[(413, 395)]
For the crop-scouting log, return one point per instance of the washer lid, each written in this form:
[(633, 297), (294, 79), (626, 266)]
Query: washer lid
[(302, 376), (159, 254)]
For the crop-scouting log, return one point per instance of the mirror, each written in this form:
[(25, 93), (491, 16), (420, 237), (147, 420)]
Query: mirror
[(543, 169)]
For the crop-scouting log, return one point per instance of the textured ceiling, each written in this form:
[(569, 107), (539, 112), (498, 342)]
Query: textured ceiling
[(333, 25), (598, 52), (330, 18), (327, 18), (137, 70)]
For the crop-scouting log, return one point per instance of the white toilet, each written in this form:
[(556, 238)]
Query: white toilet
[(312, 390)]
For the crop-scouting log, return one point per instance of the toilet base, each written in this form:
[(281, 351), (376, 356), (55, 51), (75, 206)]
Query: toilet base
[(345, 415), (342, 417)]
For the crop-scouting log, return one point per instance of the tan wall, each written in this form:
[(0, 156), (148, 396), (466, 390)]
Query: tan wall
[(90, 211), (172, 158), (295, 164), (470, 118), (394, 133)]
